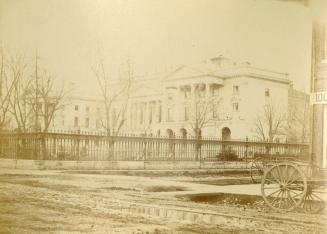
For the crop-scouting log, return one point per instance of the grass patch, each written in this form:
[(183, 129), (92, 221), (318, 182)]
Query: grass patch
[(223, 198), (37, 184), (119, 188), (224, 181), (165, 173), (159, 188)]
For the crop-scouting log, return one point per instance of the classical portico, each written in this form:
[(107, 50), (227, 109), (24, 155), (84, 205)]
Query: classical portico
[(229, 97)]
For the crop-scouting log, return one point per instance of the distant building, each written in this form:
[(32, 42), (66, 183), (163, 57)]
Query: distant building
[(299, 116), (229, 94), (216, 98), (80, 113)]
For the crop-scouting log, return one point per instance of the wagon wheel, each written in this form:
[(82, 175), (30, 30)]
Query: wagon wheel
[(315, 199), (256, 170), (283, 186)]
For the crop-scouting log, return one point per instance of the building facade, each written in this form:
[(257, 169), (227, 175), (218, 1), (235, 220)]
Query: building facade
[(80, 114), (217, 98)]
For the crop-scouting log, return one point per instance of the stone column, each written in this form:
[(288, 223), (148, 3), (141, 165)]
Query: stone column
[(181, 102), (164, 105), (207, 91), (193, 99)]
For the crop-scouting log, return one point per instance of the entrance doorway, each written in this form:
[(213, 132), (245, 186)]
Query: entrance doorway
[(225, 134)]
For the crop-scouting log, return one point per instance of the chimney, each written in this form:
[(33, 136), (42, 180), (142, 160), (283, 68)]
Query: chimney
[(221, 61)]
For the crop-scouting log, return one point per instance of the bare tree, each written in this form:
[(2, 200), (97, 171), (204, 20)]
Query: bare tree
[(299, 122), (202, 111), (115, 94), (20, 93), (6, 87), (200, 116), (50, 99), (269, 123)]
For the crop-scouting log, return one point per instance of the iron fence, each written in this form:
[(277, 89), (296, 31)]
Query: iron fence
[(96, 147)]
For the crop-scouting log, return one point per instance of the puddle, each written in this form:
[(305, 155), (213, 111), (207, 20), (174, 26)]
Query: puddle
[(165, 188), (222, 198)]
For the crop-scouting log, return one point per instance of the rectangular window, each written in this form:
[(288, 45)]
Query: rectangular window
[(87, 122), (76, 122), (200, 110), (214, 91), (267, 92), (87, 109), (97, 123), (151, 111), (200, 91), (142, 114), (76, 107), (187, 93), (187, 113), (159, 113), (236, 89), (235, 106), (214, 111), (170, 114)]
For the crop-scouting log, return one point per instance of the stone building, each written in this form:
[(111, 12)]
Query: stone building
[(218, 98), (80, 113), (299, 117)]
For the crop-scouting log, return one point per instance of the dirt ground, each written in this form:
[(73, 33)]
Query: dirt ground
[(57, 202)]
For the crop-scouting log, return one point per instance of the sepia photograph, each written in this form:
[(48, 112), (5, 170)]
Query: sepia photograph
[(163, 116)]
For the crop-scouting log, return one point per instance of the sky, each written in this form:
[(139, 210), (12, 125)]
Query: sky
[(155, 35)]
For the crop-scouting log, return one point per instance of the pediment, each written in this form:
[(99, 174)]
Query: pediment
[(185, 72), (144, 91)]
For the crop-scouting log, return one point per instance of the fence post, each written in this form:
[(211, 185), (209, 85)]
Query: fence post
[(246, 152)]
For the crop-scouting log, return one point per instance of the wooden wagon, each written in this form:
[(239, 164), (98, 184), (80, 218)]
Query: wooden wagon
[(287, 184)]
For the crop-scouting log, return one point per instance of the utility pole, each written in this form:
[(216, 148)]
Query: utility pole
[(36, 92), (1, 73), (319, 95)]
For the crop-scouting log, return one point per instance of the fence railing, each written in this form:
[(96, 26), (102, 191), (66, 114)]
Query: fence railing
[(96, 147)]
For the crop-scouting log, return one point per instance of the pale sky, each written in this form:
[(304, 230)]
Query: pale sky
[(157, 34)]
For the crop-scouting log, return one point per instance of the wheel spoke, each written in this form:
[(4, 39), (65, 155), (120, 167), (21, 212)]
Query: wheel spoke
[(289, 198), (271, 181), (299, 177), (272, 174), (277, 187), (284, 199), (295, 187), (296, 194), (275, 193), (281, 199), (288, 181), (273, 201), (291, 179), (314, 195), (307, 203), (292, 189), (279, 173), (289, 195), (285, 173)]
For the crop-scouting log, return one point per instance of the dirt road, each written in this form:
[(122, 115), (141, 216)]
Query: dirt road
[(56, 202)]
